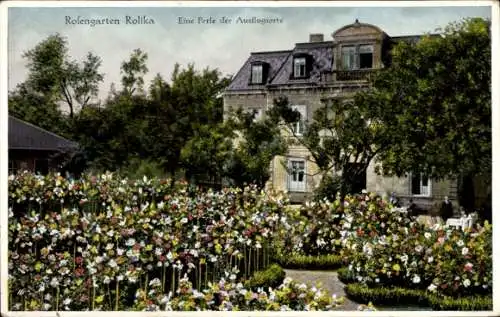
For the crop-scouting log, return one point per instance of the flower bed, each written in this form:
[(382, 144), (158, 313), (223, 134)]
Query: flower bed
[(92, 243), (387, 249), (230, 296)]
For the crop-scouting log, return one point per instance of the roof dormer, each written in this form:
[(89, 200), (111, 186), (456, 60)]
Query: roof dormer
[(302, 66), (259, 72)]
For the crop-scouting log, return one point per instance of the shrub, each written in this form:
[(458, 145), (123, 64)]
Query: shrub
[(386, 296), (401, 296), (311, 262), (272, 277), (384, 248), (120, 235), (232, 296), (462, 303)]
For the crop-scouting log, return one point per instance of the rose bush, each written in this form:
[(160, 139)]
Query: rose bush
[(385, 248), (91, 243), (231, 296)]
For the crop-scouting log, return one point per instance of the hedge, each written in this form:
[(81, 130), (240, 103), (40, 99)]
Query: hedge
[(310, 262), (272, 277), (401, 296)]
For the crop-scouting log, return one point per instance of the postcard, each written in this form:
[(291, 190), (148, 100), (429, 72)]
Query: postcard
[(249, 157)]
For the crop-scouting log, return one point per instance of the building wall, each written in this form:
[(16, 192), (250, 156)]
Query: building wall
[(401, 186)]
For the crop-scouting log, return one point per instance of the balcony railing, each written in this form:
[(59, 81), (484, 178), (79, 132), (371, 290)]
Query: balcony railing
[(348, 75)]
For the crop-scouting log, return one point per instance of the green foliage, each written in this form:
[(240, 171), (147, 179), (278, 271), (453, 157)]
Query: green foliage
[(133, 71), (439, 91), (258, 143), (53, 75), (328, 188), (346, 276), (385, 248), (311, 262), (343, 135), (137, 169), (396, 296), (272, 277), (463, 303)]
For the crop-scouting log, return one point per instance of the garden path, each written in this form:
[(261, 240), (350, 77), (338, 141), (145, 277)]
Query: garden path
[(329, 281)]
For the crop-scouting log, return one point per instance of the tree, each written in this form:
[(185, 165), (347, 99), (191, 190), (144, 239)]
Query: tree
[(344, 136), (133, 71), (258, 142), (439, 91), (56, 78)]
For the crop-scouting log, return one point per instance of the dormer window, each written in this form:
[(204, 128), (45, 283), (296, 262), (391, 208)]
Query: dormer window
[(257, 74), (299, 67), (357, 57), (302, 66), (365, 56)]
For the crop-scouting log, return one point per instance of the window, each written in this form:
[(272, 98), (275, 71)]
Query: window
[(299, 126), (365, 56), (297, 175), (420, 185), (348, 57), (357, 57), (257, 72), (299, 67)]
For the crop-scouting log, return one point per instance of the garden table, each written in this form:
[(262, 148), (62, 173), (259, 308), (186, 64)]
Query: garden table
[(463, 222)]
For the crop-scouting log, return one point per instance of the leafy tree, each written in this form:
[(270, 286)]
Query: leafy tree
[(258, 142), (439, 91), (344, 136), (57, 78), (205, 155), (133, 71)]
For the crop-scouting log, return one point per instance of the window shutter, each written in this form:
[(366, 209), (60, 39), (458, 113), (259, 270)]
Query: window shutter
[(265, 73), (309, 65)]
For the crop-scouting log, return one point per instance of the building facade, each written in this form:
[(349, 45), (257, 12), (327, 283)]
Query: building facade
[(311, 74)]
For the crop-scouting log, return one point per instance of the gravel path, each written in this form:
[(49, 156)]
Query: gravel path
[(329, 281)]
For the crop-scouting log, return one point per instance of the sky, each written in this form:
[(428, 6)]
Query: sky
[(225, 46)]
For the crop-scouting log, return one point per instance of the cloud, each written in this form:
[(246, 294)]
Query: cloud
[(222, 46)]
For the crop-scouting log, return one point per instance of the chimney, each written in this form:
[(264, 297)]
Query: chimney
[(315, 38)]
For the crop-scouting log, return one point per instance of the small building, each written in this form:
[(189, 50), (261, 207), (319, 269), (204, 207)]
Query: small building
[(35, 149)]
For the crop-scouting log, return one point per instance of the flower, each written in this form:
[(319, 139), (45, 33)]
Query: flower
[(432, 288), (416, 279), (466, 282), (465, 251)]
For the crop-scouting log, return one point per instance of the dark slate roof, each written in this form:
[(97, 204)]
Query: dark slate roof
[(281, 64), (26, 136), (242, 78), (322, 54)]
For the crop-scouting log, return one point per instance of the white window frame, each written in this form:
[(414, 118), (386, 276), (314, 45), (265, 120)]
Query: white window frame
[(299, 126), (296, 186), (299, 62), (257, 70), (423, 193)]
